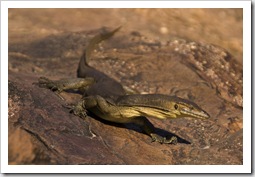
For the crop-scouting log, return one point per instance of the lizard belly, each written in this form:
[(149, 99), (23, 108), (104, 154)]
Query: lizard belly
[(113, 116)]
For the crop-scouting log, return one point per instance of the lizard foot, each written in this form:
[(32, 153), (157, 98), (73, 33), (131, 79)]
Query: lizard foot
[(44, 82), (77, 110), (163, 140)]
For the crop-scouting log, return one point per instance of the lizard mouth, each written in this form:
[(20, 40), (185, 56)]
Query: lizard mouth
[(195, 114)]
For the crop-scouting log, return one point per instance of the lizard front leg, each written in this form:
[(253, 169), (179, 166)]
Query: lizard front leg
[(95, 104), (149, 129)]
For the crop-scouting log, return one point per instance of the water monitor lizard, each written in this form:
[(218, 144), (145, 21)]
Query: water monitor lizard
[(107, 99)]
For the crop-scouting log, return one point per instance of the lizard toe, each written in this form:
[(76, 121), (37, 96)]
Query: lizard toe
[(163, 140), (77, 110), (172, 140)]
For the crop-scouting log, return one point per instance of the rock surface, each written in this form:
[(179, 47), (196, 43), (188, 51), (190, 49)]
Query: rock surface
[(42, 131)]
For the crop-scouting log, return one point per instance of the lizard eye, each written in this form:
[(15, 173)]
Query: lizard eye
[(175, 106)]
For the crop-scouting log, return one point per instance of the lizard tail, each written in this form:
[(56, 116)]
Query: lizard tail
[(88, 50)]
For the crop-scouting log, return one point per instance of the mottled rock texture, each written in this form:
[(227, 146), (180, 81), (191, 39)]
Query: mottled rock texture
[(42, 131)]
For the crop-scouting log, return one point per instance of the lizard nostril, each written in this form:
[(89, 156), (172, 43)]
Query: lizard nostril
[(175, 106)]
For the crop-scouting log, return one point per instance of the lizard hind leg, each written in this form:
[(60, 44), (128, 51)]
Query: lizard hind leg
[(65, 84)]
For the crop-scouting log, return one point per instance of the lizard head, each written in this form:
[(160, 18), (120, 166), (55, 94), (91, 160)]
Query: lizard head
[(185, 108), (161, 106)]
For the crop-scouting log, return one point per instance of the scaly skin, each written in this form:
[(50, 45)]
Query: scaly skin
[(107, 99)]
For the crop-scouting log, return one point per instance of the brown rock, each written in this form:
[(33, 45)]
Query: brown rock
[(39, 122)]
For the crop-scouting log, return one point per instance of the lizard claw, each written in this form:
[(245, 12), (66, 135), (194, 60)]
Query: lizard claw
[(77, 110), (163, 140), (172, 140), (44, 82)]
